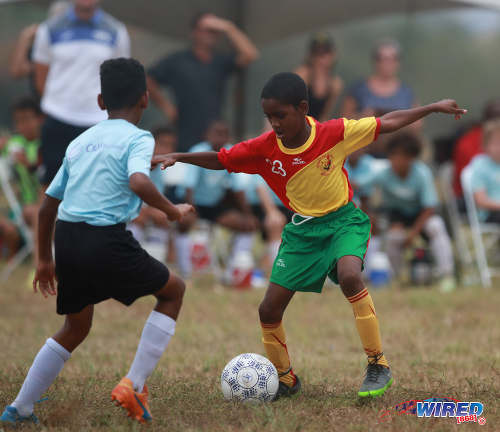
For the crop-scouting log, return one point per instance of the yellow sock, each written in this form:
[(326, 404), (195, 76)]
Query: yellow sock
[(273, 338), (367, 324)]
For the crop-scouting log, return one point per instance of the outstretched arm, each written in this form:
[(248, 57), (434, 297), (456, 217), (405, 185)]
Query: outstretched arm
[(207, 160), (395, 120)]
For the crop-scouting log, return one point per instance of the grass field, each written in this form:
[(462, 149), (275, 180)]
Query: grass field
[(439, 346)]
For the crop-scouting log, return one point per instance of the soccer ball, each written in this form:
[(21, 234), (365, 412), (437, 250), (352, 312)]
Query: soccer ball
[(249, 378)]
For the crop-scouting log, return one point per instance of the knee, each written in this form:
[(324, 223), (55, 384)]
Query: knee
[(269, 314), (435, 226), (350, 282), (395, 235), (173, 291)]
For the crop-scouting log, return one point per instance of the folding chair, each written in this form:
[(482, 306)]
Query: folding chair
[(481, 247), (17, 211), (445, 176)]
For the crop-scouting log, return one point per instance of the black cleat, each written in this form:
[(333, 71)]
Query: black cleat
[(286, 391)]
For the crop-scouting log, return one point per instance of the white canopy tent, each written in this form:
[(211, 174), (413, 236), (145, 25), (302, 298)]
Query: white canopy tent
[(264, 20)]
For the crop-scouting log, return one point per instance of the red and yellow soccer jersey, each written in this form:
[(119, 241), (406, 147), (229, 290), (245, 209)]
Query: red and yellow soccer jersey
[(311, 179)]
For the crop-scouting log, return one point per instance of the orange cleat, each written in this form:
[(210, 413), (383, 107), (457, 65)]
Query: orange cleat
[(135, 403)]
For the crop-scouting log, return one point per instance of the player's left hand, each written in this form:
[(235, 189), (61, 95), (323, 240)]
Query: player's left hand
[(449, 106), (45, 278)]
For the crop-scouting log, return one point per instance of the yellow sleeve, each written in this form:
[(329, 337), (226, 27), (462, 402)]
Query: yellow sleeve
[(359, 133)]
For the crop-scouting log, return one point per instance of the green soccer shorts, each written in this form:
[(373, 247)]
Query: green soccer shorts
[(309, 251)]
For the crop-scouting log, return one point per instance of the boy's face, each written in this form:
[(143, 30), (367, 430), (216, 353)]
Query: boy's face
[(218, 135), (286, 120), (165, 143), (27, 122), (492, 147), (400, 162)]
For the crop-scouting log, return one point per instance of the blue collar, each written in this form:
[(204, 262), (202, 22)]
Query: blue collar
[(71, 14)]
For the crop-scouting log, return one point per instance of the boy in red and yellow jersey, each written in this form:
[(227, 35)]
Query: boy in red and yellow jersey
[(302, 160)]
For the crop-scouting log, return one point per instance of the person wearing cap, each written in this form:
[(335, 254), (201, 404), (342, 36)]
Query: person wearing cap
[(317, 72)]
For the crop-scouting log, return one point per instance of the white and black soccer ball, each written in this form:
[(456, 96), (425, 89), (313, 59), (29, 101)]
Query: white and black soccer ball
[(249, 378)]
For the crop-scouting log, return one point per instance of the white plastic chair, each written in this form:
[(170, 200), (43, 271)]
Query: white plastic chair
[(478, 230), (17, 211), (463, 254)]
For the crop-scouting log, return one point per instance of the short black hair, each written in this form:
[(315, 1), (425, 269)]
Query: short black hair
[(287, 88), (408, 143), (163, 130), (26, 103), (123, 82)]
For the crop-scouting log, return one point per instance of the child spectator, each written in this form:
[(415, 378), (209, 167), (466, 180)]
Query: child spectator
[(409, 198), (211, 192), (486, 174), (165, 142), (267, 208), (22, 150)]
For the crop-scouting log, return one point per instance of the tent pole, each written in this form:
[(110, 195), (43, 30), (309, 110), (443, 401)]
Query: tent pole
[(239, 98)]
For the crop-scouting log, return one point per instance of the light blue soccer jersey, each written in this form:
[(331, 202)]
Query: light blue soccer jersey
[(486, 176), (409, 195), (93, 181), (209, 186)]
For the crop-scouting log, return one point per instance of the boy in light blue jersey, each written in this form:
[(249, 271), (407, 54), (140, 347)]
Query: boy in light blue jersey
[(486, 175), (409, 199), (99, 187), (213, 195)]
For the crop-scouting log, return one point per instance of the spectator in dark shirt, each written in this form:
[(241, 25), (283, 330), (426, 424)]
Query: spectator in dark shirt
[(197, 76)]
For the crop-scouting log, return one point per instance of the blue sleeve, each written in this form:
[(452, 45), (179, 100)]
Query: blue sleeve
[(157, 178), (428, 195), (58, 185), (140, 154), (192, 176)]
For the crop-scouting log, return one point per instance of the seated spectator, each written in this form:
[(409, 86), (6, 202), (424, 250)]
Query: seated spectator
[(486, 175), (22, 150), (470, 144), (267, 208), (211, 192), (149, 217), (409, 199), (360, 167)]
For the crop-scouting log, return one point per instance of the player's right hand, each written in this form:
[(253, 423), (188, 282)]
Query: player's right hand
[(165, 160), (45, 278)]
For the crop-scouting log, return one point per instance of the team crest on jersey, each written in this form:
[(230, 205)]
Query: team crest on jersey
[(325, 164)]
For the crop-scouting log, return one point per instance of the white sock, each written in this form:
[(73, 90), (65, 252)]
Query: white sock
[(183, 250), (47, 364), (158, 234), (158, 330), (440, 245), (137, 231), (274, 247), (242, 243)]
